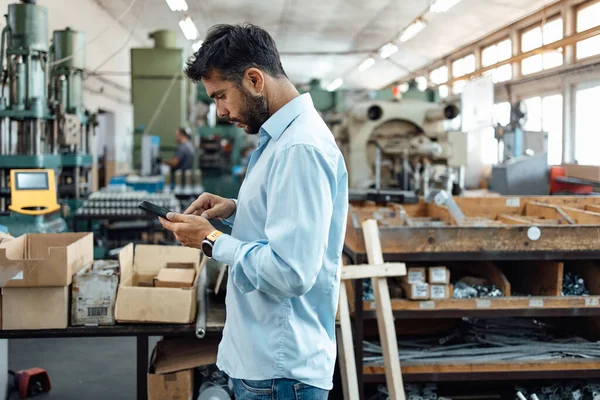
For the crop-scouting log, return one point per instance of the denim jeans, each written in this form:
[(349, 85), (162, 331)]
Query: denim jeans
[(276, 389)]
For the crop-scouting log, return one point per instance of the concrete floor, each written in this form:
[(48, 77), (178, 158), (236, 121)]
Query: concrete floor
[(81, 368)]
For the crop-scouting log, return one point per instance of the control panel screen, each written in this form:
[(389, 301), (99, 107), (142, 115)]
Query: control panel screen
[(32, 181)]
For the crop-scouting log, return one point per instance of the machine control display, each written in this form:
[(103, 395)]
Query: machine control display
[(32, 181)]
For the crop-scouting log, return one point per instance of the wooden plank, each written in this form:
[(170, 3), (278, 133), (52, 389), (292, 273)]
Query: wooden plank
[(363, 271), (582, 217), (496, 303), (496, 366), (593, 207), (385, 317), (510, 238), (222, 270), (548, 211), (513, 220), (347, 360), (537, 278)]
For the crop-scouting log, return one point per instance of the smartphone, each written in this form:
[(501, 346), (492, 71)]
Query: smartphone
[(154, 209)]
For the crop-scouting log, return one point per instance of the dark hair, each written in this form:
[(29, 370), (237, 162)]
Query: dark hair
[(232, 49), (184, 132)]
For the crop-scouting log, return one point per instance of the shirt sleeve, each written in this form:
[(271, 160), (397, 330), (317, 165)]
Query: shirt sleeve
[(231, 219), (300, 194)]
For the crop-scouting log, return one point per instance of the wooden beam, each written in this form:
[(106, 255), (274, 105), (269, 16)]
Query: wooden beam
[(592, 207), (550, 211), (513, 220), (363, 271), (582, 217), (385, 317), (347, 361)]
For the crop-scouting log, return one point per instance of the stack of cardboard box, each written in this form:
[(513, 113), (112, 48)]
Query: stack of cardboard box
[(421, 283), (37, 297)]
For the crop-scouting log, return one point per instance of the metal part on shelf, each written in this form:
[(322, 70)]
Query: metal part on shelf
[(442, 198), (492, 340), (108, 203), (574, 285)]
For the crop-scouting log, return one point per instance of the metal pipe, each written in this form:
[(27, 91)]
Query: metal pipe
[(377, 167), (2, 43)]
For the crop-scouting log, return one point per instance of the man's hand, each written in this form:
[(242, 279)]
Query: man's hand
[(190, 230), (211, 206)]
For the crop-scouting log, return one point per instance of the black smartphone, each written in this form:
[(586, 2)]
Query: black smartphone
[(154, 209)]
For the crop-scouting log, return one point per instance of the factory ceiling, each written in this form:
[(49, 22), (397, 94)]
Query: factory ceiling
[(329, 39)]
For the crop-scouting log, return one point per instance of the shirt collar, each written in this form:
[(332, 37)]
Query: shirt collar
[(279, 121)]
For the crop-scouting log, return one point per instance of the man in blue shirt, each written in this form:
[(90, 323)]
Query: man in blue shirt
[(288, 223)]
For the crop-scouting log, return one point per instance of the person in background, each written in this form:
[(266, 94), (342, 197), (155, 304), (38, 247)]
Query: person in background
[(184, 155)]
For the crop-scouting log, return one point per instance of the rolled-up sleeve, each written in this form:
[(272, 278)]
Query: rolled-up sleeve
[(299, 208)]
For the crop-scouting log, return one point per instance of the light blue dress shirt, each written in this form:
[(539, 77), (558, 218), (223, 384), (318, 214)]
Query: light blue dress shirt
[(284, 253)]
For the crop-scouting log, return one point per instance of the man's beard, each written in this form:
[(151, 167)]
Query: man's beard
[(255, 113)]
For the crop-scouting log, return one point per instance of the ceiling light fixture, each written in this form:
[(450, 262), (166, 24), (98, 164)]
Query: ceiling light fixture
[(365, 65), (440, 6), (335, 85), (177, 5), (188, 28), (387, 50), (413, 30), (196, 46)]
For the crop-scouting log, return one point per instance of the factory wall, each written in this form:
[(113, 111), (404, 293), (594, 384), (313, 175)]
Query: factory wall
[(111, 92)]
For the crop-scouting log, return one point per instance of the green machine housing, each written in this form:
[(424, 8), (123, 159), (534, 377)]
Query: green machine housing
[(27, 135), (76, 126), (154, 72)]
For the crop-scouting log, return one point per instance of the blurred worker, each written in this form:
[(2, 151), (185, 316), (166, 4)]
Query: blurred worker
[(288, 223), (184, 155)]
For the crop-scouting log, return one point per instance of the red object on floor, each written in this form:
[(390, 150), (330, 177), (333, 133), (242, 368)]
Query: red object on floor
[(32, 382), (558, 187)]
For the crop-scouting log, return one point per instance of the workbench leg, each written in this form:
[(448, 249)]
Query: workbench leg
[(359, 336), (142, 367)]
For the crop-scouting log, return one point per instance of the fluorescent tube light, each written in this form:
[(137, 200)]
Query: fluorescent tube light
[(335, 85), (177, 5), (440, 6), (188, 28), (412, 30), (387, 50), (196, 46), (365, 65)]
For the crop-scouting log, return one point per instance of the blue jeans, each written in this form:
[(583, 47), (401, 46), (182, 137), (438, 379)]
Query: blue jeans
[(276, 389)]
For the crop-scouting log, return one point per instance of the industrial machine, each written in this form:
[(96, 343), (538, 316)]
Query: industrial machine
[(28, 138), (523, 159), (75, 125), (402, 145)]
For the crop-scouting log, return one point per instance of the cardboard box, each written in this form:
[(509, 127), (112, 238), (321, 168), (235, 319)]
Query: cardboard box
[(138, 301), (35, 308), (94, 294), (440, 292), (438, 275), (47, 259), (175, 277), (171, 367), (414, 275), (587, 172), (416, 291)]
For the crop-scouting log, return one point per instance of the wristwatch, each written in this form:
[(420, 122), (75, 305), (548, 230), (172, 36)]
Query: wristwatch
[(209, 242)]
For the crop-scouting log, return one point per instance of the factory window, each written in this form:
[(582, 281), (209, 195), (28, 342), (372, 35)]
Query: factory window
[(421, 83), (463, 66), (458, 86), (443, 91), (502, 113), (536, 37), (494, 54), (439, 75), (587, 140), (587, 18), (545, 114)]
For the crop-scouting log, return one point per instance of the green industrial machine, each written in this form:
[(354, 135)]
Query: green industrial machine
[(156, 72), (28, 139), (75, 125)]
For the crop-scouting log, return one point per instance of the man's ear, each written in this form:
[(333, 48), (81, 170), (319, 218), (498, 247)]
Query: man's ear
[(254, 80)]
